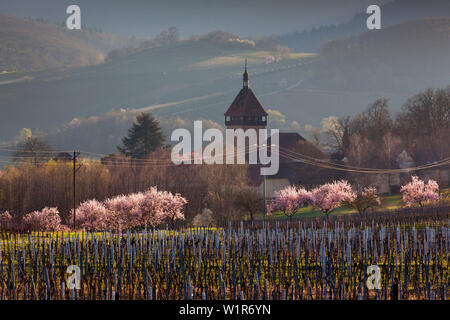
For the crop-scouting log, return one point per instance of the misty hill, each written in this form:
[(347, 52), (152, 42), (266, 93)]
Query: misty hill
[(392, 13), (27, 44), (91, 107), (407, 57), (195, 78)]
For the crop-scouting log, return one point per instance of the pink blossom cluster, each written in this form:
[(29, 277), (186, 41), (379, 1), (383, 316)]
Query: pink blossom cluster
[(151, 207), (330, 196), (270, 59), (289, 200), (327, 197), (47, 219), (92, 215), (172, 206), (417, 192)]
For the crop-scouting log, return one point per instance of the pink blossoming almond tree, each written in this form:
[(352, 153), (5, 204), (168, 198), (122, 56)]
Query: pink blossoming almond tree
[(332, 195), (417, 192), (124, 211), (149, 208), (172, 207), (47, 219), (92, 215), (289, 200)]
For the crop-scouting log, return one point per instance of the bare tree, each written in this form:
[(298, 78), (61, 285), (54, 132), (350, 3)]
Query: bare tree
[(249, 200), (32, 149), (338, 132), (425, 125), (168, 36)]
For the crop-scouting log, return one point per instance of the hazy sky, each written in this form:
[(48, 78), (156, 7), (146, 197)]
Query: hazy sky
[(145, 18)]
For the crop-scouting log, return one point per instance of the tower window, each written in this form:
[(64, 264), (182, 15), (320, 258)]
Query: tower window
[(227, 118)]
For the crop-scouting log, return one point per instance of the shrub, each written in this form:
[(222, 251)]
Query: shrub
[(366, 199), (203, 219), (5, 220)]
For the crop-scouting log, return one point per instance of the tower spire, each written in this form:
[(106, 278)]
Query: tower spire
[(245, 79)]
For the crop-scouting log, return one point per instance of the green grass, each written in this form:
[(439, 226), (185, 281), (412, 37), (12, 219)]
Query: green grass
[(235, 58), (387, 203)]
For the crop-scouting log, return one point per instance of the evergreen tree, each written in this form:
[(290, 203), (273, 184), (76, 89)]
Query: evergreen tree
[(143, 137)]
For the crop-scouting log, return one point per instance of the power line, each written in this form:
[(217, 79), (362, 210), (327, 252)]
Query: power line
[(302, 157), (75, 169), (372, 171), (286, 153), (37, 151), (144, 163)]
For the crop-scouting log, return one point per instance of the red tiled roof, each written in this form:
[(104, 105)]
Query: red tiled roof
[(245, 103)]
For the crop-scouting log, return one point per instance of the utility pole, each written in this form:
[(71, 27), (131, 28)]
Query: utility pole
[(75, 155), (264, 195)]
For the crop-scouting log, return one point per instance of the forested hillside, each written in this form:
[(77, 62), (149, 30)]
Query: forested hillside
[(395, 12), (406, 57), (27, 44)]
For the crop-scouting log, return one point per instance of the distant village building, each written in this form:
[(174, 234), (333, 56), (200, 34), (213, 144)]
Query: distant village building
[(283, 83), (404, 160), (391, 183), (440, 174)]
